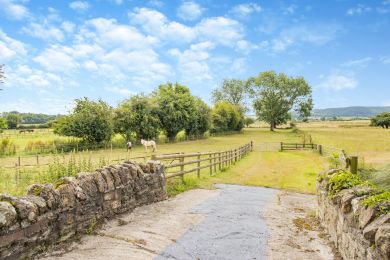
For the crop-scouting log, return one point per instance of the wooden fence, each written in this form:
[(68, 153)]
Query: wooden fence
[(184, 163), (338, 155), (297, 146)]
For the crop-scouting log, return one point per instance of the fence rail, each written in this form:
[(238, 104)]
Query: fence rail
[(202, 160), (297, 146), (336, 154)]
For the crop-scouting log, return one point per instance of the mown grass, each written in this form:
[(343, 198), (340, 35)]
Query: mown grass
[(293, 171), (370, 144)]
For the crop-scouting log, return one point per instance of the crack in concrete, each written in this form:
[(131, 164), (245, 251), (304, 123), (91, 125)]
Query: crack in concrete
[(133, 242)]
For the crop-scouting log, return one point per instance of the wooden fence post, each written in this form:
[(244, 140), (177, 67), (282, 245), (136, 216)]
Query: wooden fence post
[(320, 149), (198, 173), (353, 164), (235, 155), (219, 160), (37, 160), (182, 168), (215, 162), (211, 167), (251, 146), (281, 146)]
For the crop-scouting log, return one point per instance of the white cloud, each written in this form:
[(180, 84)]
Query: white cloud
[(79, 6), (315, 34), (337, 81), (68, 26), (357, 63), (244, 10), (90, 65), (358, 10), (13, 10), (44, 32), (121, 91), (26, 77), (385, 59), (157, 24), (245, 46), (192, 63), (220, 30), (291, 9), (189, 11), (56, 59), (111, 34), (9, 47), (156, 3)]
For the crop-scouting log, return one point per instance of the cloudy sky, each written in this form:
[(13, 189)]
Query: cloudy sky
[(56, 51)]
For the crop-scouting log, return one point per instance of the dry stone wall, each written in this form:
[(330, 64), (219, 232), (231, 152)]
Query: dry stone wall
[(51, 214), (358, 232)]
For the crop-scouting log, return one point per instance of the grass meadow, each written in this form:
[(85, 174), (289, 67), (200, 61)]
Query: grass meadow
[(295, 171)]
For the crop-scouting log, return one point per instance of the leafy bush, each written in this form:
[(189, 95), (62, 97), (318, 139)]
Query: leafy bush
[(344, 180), (7, 147), (379, 200), (181, 136)]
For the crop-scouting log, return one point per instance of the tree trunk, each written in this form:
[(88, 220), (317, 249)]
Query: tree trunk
[(272, 125)]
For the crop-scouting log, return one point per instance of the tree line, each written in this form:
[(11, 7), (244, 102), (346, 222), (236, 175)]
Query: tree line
[(172, 108)]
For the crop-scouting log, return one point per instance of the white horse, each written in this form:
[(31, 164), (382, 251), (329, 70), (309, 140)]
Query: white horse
[(147, 144)]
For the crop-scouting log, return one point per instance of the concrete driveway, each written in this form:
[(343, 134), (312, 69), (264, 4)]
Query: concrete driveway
[(231, 222)]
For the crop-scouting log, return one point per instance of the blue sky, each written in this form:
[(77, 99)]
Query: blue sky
[(56, 51)]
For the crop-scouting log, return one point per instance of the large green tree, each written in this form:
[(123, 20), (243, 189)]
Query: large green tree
[(175, 107), (199, 121), (3, 123), (137, 116), (226, 117), (13, 120), (382, 120), (233, 91), (276, 95), (89, 120)]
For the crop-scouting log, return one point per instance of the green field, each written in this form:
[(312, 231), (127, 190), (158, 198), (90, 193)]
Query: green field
[(294, 171)]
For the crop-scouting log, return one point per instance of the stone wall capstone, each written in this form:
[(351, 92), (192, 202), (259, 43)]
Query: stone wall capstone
[(358, 231), (51, 214)]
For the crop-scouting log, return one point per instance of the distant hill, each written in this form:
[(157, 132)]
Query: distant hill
[(349, 111)]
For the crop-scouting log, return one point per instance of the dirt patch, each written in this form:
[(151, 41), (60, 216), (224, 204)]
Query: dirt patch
[(141, 234), (294, 231)]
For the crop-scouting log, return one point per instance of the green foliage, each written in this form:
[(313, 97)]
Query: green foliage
[(382, 200), (137, 115), (199, 120), (248, 121), (3, 123), (344, 180), (275, 95), (7, 147), (233, 91), (90, 121), (382, 120), (175, 107), (226, 117), (13, 120)]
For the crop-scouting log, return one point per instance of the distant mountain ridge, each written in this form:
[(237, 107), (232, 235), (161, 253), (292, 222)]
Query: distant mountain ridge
[(355, 111)]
